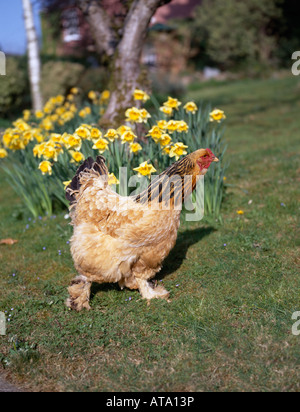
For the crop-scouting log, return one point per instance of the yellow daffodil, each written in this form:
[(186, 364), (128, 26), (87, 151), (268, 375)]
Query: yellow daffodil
[(172, 125), (59, 99), (162, 124), (101, 145), (105, 95), (177, 150), (55, 137), (166, 110), (165, 139), (111, 135), (38, 150), (74, 90), (83, 132), (70, 97), (140, 95), (173, 103), (190, 107), (66, 183), (7, 137), (135, 147), (46, 124), (217, 115), (166, 150), (128, 137), (155, 133), (92, 95), (26, 115), (85, 112), (122, 129), (145, 169), (145, 115), (21, 125), (3, 153), (133, 115), (112, 180), (38, 136), (95, 134), (39, 114), (71, 141), (50, 152), (182, 126), (76, 156), (45, 167)]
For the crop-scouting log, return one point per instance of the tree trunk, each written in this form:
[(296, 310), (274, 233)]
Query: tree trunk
[(125, 66), (100, 24), (33, 56)]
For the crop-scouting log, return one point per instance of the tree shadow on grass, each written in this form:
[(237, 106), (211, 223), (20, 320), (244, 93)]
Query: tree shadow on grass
[(172, 263)]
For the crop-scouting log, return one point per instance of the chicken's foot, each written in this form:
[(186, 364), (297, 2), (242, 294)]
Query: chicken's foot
[(148, 292), (79, 290)]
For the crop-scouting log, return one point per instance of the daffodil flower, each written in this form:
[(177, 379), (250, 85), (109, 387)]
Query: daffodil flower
[(190, 107), (133, 115), (105, 95), (162, 124), (112, 180), (166, 110), (122, 129), (66, 183), (111, 135), (45, 167), (101, 145), (76, 156), (83, 132), (128, 137), (217, 115), (92, 95), (145, 169), (140, 95), (165, 139), (135, 147), (172, 103), (155, 133), (177, 150), (182, 126), (95, 134), (145, 115), (3, 153)]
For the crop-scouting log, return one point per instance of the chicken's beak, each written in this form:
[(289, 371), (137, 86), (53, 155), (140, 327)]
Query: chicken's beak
[(215, 159)]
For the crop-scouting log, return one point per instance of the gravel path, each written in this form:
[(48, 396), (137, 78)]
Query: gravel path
[(7, 387)]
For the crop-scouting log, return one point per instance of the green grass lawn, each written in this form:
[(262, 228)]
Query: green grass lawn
[(234, 287)]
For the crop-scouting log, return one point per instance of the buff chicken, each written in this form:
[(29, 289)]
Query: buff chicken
[(126, 239)]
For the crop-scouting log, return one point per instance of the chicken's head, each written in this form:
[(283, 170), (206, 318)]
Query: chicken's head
[(202, 159)]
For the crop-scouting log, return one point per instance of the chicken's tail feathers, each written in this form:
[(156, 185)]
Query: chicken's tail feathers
[(89, 169)]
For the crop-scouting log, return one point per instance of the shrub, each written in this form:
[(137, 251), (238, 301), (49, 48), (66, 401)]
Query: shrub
[(13, 87), (59, 76)]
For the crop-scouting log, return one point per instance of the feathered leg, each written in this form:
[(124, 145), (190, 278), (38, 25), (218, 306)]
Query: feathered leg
[(148, 292), (79, 290)]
